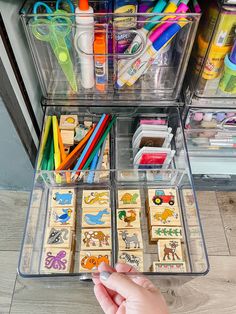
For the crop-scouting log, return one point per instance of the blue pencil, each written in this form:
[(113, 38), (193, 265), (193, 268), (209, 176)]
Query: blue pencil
[(93, 166)]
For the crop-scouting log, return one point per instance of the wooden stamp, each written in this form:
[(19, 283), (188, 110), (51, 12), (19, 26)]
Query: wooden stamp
[(96, 239), (63, 197), (164, 217), (163, 232), (88, 123), (130, 239), (56, 260), (67, 137), (133, 258), (96, 198), (90, 260), (165, 267), (96, 218), (128, 218), (129, 199), (61, 217), (170, 250), (58, 237), (162, 198), (68, 122)]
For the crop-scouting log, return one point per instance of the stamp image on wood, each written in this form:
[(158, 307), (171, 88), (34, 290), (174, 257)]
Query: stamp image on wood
[(129, 199), (96, 239), (59, 217), (165, 216), (96, 198), (92, 217), (134, 259), (170, 250), (89, 261), (68, 122), (56, 260), (130, 239), (162, 198), (128, 218), (63, 197), (58, 237), (160, 232), (162, 267)]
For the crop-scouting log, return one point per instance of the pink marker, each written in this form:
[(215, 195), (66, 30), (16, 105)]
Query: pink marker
[(153, 122)]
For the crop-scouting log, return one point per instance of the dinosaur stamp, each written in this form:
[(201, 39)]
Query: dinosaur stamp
[(96, 218), (129, 199), (96, 239), (130, 239), (90, 260), (162, 198), (56, 260), (162, 267), (133, 258), (58, 237), (62, 217), (96, 198), (164, 217), (162, 232), (170, 250), (63, 197), (128, 218)]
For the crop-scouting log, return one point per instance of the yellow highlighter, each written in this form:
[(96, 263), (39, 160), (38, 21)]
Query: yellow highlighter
[(44, 141), (57, 154)]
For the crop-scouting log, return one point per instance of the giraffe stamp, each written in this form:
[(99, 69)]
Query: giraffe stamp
[(63, 197), (166, 267), (132, 258), (90, 260), (162, 198), (56, 260), (61, 217), (129, 199), (160, 232), (96, 198), (96, 239), (170, 250), (164, 217), (96, 218), (128, 218), (68, 122), (58, 237), (130, 239)]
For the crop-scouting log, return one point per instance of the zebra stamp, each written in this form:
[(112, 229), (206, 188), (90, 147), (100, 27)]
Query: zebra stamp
[(162, 198), (162, 232), (164, 217), (58, 237), (170, 250), (129, 199), (96, 239), (166, 267), (96, 218), (56, 260), (128, 218), (61, 217), (133, 258), (90, 260), (96, 198), (130, 239), (63, 197)]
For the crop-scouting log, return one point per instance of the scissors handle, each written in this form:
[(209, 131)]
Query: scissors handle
[(41, 4)]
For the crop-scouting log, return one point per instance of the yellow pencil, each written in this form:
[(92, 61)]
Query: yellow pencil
[(57, 154), (44, 140)]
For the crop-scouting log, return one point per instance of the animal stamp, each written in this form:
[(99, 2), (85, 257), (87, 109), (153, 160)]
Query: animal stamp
[(96, 239), (130, 239), (160, 232), (162, 267), (63, 197), (170, 250), (164, 217), (129, 199), (68, 122), (162, 198), (56, 260), (67, 137), (96, 218), (90, 260), (61, 217), (58, 237), (128, 218), (133, 258), (96, 198)]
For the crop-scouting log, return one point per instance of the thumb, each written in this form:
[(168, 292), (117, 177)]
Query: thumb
[(120, 283)]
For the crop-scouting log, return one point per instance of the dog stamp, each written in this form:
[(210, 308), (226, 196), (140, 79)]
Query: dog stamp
[(96, 198), (129, 199), (130, 239)]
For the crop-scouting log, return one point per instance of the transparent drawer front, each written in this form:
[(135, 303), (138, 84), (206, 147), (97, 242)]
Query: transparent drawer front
[(113, 57), (143, 215)]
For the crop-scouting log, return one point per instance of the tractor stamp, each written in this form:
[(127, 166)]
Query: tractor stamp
[(165, 216), (128, 218), (96, 198), (162, 267), (63, 197), (96, 218), (162, 232), (130, 239), (170, 250), (129, 199), (90, 260), (159, 198), (132, 258), (96, 239)]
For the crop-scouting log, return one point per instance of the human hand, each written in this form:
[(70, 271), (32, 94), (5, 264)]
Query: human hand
[(134, 294)]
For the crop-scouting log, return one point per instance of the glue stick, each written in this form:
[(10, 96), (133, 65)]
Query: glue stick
[(100, 61)]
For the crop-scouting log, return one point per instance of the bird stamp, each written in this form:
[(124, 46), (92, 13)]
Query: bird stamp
[(96, 239), (129, 199), (130, 239), (90, 260), (96, 218), (61, 217), (163, 232), (164, 217), (96, 198), (170, 250), (162, 198), (166, 267), (63, 197), (128, 218), (132, 258), (58, 237), (56, 260)]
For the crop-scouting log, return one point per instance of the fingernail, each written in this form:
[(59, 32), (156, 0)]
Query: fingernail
[(105, 275)]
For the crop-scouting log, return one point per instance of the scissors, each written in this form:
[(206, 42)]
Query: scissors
[(54, 29)]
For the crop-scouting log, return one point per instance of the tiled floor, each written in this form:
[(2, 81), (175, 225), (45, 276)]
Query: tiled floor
[(214, 293)]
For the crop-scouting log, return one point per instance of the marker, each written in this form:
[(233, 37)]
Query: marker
[(44, 140), (197, 7)]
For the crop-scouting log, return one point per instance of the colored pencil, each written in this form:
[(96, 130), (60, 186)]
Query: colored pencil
[(57, 155), (44, 140), (93, 166)]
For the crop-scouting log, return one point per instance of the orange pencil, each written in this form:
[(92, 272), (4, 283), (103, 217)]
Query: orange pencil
[(75, 152)]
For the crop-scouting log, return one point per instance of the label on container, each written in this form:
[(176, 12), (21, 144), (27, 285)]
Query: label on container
[(126, 21), (100, 71)]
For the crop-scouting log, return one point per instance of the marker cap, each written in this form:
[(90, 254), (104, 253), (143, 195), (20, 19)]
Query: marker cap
[(83, 5)]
